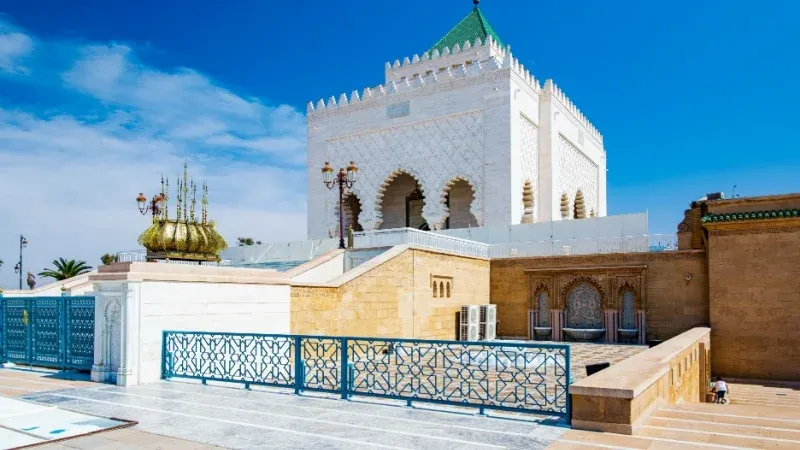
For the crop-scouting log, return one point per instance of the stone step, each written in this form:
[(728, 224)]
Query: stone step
[(578, 440), (712, 437), (760, 411), (730, 419), (741, 429)]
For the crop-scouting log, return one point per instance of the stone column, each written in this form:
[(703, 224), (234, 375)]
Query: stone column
[(127, 373), (557, 323), (642, 320), (611, 324), (533, 319)]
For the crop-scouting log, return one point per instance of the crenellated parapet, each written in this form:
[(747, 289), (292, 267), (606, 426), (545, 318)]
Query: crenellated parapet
[(551, 88), (432, 68)]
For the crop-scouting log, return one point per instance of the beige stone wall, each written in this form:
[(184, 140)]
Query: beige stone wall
[(673, 304), (619, 399), (394, 299), (754, 277)]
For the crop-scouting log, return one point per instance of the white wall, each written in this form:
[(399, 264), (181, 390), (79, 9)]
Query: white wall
[(323, 272), (131, 316), (79, 285)]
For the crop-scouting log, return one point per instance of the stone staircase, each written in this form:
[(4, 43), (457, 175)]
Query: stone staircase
[(759, 416)]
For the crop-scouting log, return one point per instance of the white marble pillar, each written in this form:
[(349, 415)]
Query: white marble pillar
[(116, 335)]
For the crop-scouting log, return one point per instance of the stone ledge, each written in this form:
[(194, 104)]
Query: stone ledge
[(631, 377)]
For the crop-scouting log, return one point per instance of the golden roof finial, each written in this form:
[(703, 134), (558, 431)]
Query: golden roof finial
[(185, 191), (204, 201), (194, 201), (166, 201)]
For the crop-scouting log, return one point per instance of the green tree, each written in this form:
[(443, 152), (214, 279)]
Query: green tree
[(108, 258), (245, 241), (64, 269), (1, 263)]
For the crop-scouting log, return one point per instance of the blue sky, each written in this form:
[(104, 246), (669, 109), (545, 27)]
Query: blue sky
[(98, 98)]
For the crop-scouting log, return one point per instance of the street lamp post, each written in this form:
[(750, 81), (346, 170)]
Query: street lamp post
[(342, 179), (18, 268), (154, 206)]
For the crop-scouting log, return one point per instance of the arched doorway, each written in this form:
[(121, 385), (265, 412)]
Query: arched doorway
[(351, 206), (402, 203), (459, 203)]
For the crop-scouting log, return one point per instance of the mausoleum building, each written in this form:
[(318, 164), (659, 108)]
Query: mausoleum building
[(461, 135)]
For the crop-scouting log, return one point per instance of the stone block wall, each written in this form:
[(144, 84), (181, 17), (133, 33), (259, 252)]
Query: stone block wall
[(755, 304), (394, 298), (674, 303)]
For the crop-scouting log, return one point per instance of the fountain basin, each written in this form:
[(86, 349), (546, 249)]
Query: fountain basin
[(542, 332), (585, 334), (628, 332)]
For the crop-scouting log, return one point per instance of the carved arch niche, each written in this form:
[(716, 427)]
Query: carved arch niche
[(540, 306)]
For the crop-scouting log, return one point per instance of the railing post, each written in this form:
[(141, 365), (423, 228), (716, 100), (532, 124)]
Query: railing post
[(345, 373), (62, 305), (298, 365), (569, 397)]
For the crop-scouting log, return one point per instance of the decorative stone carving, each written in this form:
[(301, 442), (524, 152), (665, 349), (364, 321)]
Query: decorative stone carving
[(580, 207), (564, 206), (434, 152), (578, 172), (628, 310)]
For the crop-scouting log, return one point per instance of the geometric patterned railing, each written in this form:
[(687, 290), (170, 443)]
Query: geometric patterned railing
[(53, 332), (487, 375)]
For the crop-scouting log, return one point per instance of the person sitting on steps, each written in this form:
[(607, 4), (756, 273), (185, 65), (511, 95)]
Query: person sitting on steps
[(720, 389)]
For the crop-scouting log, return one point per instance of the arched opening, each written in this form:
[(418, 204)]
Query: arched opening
[(459, 201), (435, 290), (448, 289), (527, 202), (579, 208), (351, 206), (441, 288), (628, 319), (402, 203), (543, 305)]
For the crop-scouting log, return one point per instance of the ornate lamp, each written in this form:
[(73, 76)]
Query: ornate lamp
[(343, 179)]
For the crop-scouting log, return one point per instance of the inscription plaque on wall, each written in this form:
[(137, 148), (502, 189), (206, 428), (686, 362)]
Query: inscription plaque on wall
[(398, 109)]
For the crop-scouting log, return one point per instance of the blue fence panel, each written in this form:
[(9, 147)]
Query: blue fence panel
[(259, 359), (487, 375), (53, 332), (79, 340)]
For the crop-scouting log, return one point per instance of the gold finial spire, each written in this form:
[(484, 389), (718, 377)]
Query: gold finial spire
[(204, 202), (194, 201), (166, 200), (180, 201), (185, 190)]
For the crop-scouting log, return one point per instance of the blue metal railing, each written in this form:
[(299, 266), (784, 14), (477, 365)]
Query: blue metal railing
[(518, 377)]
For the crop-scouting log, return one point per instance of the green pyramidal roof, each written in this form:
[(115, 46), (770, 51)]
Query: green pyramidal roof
[(472, 26)]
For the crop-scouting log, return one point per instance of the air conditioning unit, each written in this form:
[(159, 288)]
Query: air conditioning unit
[(470, 319), (488, 322)]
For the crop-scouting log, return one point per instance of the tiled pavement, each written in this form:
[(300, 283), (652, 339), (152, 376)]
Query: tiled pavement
[(236, 418), (758, 417)]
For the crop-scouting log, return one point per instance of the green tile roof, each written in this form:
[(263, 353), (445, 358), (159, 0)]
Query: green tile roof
[(472, 26), (756, 215)]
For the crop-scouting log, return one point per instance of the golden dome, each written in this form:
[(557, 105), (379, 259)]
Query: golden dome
[(173, 239), (183, 238)]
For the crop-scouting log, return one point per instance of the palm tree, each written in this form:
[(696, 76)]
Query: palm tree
[(65, 269), (108, 259), (1, 263)]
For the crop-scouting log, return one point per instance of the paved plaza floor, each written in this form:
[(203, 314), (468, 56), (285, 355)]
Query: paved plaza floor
[(180, 414)]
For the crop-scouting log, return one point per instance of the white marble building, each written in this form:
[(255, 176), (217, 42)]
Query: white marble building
[(452, 139)]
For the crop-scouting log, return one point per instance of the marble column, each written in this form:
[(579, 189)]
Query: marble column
[(533, 319), (116, 335)]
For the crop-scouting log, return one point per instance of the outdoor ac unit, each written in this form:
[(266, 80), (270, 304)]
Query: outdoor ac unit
[(488, 323), (470, 318)]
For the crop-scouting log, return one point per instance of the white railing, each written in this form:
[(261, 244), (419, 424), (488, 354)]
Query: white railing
[(627, 244), (425, 239), (141, 256)]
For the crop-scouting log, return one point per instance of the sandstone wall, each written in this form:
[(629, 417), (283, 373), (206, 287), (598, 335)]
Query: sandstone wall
[(394, 298), (673, 303), (755, 304)]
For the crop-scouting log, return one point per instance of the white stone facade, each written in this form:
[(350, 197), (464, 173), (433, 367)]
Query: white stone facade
[(472, 115)]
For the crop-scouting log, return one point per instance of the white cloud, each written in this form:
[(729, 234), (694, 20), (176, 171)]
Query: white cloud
[(70, 178), (13, 47)]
